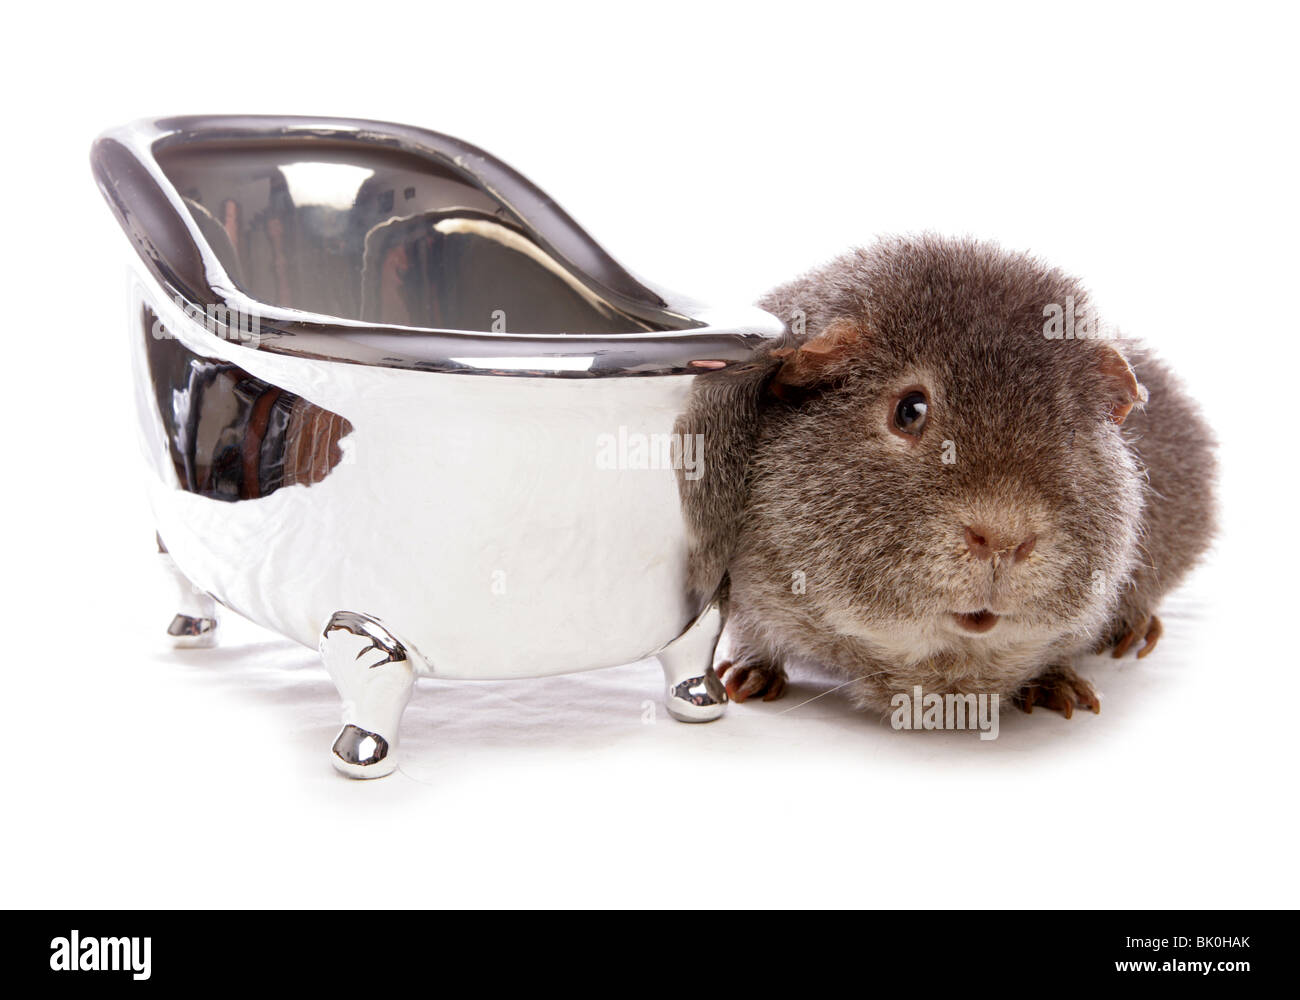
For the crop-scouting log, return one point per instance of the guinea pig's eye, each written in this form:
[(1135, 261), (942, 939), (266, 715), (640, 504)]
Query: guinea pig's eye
[(909, 414)]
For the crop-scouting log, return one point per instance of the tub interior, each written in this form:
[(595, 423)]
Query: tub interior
[(380, 235)]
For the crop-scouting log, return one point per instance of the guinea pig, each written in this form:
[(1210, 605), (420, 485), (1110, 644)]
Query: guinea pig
[(953, 477)]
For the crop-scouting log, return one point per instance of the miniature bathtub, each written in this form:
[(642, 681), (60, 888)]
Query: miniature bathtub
[(398, 405)]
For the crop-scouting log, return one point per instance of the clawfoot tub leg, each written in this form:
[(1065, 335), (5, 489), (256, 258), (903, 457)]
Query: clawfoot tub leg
[(195, 623), (374, 673), (694, 692)]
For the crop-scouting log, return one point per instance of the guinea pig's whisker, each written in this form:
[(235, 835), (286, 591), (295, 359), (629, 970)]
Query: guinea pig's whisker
[(829, 691)]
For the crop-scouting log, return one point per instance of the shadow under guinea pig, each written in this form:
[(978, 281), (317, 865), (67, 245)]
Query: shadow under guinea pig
[(485, 726)]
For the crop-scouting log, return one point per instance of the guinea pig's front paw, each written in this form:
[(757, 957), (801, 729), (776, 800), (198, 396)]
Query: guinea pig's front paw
[(1148, 628), (745, 681), (1060, 689)]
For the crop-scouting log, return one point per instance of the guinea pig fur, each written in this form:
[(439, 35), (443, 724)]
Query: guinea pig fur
[(934, 482)]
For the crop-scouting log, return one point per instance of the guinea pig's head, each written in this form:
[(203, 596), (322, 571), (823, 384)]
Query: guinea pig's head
[(936, 458)]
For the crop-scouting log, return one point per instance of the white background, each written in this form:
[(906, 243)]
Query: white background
[(717, 150)]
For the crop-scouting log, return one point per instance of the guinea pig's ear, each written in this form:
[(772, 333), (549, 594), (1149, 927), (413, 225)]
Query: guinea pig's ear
[(1127, 392), (809, 366)]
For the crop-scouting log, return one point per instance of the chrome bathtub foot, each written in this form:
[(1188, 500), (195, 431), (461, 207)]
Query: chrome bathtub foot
[(195, 623), (374, 673), (694, 692)]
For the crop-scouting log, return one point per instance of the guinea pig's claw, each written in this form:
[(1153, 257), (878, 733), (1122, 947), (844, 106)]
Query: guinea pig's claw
[(1060, 690), (1149, 631), (1122, 646), (1154, 631), (744, 682)]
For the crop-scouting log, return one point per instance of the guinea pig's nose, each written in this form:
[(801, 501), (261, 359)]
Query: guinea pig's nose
[(985, 543)]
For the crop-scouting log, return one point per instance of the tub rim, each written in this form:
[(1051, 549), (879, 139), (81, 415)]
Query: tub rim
[(168, 241)]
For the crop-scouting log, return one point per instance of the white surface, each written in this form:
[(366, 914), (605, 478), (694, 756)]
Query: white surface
[(719, 152)]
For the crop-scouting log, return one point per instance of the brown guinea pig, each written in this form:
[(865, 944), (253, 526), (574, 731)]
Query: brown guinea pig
[(954, 479)]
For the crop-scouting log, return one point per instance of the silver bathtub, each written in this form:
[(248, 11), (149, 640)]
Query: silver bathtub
[(397, 404)]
